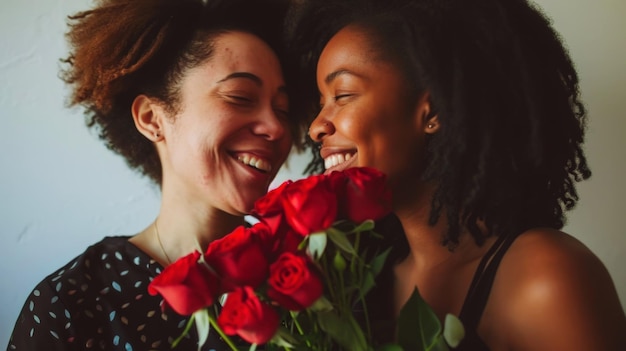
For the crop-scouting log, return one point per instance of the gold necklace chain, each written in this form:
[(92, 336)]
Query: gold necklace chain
[(156, 232)]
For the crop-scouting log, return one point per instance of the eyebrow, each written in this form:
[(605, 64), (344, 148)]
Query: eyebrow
[(251, 77), (245, 75), (332, 76)]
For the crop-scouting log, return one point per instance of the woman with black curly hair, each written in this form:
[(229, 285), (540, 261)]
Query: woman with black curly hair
[(191, 93), (472, 109)]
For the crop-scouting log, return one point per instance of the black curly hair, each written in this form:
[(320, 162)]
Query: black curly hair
[(123, 48), (509, 150)]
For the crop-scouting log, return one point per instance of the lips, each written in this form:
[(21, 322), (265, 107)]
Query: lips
[(337, 159), (255, 161)]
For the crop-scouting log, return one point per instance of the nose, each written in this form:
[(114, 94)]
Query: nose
[(270, 125), (320, 128)]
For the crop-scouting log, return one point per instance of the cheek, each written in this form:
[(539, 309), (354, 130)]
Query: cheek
[(392, 146), (194, 147), (354, 125)]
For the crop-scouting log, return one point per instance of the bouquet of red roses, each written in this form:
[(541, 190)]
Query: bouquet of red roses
[(293, 280)]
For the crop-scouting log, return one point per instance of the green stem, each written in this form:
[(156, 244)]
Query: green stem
[(357, 242), (184, 333), (357, 277), (295, 322), (219, 330), (325, 270), (342, 286), (298, 326), (367, 319)]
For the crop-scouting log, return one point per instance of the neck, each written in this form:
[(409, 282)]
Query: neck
[(185, 231), (185, 224), (425, 240)]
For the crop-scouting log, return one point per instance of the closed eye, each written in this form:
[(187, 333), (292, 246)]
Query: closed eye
[(282, 113), (342, 96), (240, 100)]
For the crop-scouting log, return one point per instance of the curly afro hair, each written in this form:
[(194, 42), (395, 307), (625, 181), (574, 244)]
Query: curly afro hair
[(124, 48), (509, 151)]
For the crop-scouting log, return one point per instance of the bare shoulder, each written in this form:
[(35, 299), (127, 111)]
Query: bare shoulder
[(552, 293), (546, 251)]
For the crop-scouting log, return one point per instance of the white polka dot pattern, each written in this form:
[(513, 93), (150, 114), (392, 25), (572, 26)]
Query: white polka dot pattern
[(99, 301)]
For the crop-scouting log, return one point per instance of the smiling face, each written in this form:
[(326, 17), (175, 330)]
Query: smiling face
[(230, 135), (368, 117)]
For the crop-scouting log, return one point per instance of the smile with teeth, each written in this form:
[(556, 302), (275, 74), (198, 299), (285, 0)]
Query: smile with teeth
[(255, 162), (336, 159)]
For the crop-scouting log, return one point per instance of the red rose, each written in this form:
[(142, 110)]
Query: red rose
[(337, 181), (310, 205), (366, 195), (273, 222), (239, 258), (289, 240), (293, 283), (270, 203), (186, 285), (245, 315), (263, 236), (281, 239)]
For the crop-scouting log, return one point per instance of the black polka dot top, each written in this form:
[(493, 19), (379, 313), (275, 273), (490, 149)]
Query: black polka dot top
[(100, 301)]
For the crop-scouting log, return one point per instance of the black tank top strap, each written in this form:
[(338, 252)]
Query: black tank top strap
[(479, 289)]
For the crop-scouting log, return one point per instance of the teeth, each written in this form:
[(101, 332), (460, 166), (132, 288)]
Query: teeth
[(336, 159), (255, 162)]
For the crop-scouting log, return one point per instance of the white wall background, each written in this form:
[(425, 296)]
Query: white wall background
[(61, 190)]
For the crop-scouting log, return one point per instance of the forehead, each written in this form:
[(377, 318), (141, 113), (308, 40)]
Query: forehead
[(235, 54), (352, 52), (240, 50), (350, 44)]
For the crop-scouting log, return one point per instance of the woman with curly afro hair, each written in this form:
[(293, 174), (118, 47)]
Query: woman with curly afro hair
[(472, 109), (191, 93)]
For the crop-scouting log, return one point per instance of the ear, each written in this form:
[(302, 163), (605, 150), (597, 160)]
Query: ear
[(147, 118), (432, 123), (427, 117)]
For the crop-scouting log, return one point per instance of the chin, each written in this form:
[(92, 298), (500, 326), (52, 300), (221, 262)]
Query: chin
[(247, 206)]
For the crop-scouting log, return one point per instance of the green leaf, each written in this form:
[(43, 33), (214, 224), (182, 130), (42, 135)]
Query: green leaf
[(378, 262), (418, 325), (341, 240), (317, 244), (439, 345), (453, 330), (390, 347), (321, 304), (203, 325), (365, 226), (283, 338), (374, 269), (366, 285), (346, 333)]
